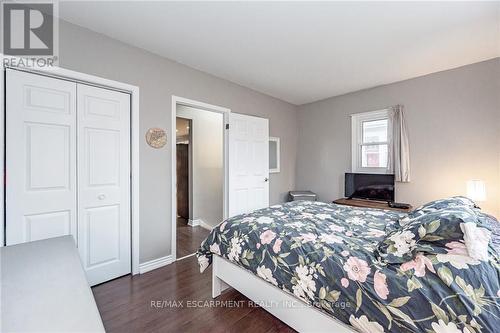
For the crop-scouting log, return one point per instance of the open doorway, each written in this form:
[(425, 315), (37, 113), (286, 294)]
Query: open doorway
[(183, 133), (200, 176)]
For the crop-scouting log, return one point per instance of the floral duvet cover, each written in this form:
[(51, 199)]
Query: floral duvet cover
[(325, 254)]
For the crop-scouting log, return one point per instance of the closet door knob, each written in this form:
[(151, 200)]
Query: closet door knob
[(101, 196)]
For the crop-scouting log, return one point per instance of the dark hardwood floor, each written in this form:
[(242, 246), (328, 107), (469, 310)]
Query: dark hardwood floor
[(140, 304), (189, 238)]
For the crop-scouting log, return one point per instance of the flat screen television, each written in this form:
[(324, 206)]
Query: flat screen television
[(369, 186)]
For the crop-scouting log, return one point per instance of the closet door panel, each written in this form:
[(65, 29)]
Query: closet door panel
[(40, 157), (103, 156), (104, 182)]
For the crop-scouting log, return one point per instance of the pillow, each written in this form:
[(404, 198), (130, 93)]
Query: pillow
[(436, 205), (492, 224), (429, 232), (476, 240)]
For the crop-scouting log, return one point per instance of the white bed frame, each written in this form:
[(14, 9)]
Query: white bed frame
[(289, 309)]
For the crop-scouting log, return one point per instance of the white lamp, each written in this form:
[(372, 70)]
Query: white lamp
[(476, 190)]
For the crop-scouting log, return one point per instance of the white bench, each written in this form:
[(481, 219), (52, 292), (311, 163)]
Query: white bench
[(44, 288)]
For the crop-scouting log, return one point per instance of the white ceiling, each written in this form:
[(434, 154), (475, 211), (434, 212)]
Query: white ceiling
[(302, 52)]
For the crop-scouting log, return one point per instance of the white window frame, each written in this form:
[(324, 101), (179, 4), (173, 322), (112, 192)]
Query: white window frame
[(357, 121)]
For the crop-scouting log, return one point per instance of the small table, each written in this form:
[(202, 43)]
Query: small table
[(370, 204)]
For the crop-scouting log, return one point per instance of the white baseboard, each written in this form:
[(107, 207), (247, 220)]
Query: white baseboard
[(201, 223), (154, 264), (195, 222)]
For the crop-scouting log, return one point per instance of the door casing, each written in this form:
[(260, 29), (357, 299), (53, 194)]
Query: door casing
[(176, 100), (65, 74)]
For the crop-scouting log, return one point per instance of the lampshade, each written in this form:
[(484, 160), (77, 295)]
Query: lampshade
[(476, 190)]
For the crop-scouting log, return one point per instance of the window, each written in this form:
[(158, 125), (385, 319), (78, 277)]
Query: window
[(371, 142)]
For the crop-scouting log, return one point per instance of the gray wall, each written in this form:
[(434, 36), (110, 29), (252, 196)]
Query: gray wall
[(453, 120), (158, 79)]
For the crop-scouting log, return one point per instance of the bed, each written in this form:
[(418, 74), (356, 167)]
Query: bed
[(320, 266)]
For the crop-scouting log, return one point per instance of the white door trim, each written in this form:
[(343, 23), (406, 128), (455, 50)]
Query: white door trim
[(2, 159), (70, 75), (176, 100)]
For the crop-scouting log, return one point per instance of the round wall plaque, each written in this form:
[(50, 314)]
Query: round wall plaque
[(156, 137)]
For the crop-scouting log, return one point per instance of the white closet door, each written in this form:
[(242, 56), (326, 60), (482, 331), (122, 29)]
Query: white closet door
[(40, 157), (248, 163), (103, 182)]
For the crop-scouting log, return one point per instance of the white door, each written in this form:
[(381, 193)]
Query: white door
[(68, 169), (40, 157), (248, 163), (103, 182)]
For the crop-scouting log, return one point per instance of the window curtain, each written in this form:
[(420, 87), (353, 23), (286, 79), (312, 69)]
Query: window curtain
[(400, 146)]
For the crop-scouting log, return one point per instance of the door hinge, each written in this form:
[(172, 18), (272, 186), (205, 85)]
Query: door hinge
[(227, 126)]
